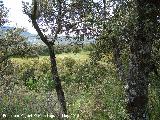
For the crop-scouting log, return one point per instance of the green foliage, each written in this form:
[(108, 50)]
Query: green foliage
[(3, 14), (59, 49), (88, 88), (154, 97), (91, 86), (122, 28), (92, 90), (69, 62), (88, 47)]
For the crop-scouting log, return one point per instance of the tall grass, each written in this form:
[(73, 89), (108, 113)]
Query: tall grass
[(92, 91)]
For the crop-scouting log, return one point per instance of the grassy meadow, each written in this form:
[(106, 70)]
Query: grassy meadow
[(92, 91)]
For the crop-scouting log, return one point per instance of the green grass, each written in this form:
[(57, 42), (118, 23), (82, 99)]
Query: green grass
[(92, 91), (82, 56), (87, 87), (76, 56)]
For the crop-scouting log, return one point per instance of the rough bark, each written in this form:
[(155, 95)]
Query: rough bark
[(140, 61)]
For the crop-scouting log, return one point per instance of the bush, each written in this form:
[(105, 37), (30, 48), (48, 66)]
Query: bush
[(92, 91), (69, 62)]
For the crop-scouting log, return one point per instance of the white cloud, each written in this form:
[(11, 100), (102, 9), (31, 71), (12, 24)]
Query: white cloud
[(16, 16)]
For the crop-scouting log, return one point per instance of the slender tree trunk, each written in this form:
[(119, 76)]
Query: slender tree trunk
[(54, 71), (57, 80), (140, 61)]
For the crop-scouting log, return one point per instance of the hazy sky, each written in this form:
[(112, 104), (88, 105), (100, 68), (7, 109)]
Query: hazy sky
[(16, 16)]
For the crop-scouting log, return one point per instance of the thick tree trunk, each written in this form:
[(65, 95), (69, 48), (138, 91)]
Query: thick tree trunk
[(140, 61), (57, 80), (137, 89)]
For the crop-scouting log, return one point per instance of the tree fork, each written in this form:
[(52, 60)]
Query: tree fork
[(54, 71)]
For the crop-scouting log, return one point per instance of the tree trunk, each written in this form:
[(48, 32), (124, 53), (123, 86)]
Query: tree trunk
[(54, 71), (55, 76), (57, 80), (140, 61), (137, 89)]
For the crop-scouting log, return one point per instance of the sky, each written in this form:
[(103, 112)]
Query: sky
[(16, 16)]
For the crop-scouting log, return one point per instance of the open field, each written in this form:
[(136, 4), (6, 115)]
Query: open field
[(92, 91), (82, 56), (87, 87)]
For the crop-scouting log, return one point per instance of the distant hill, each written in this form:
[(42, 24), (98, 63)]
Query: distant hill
[(25, 34), (34, 39), (31, 37)]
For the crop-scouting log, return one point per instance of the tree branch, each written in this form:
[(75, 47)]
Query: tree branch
[(35, 24), (59, 19)]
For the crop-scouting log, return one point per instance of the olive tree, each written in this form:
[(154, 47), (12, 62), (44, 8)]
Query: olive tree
[(132, 30), (63, 17)]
